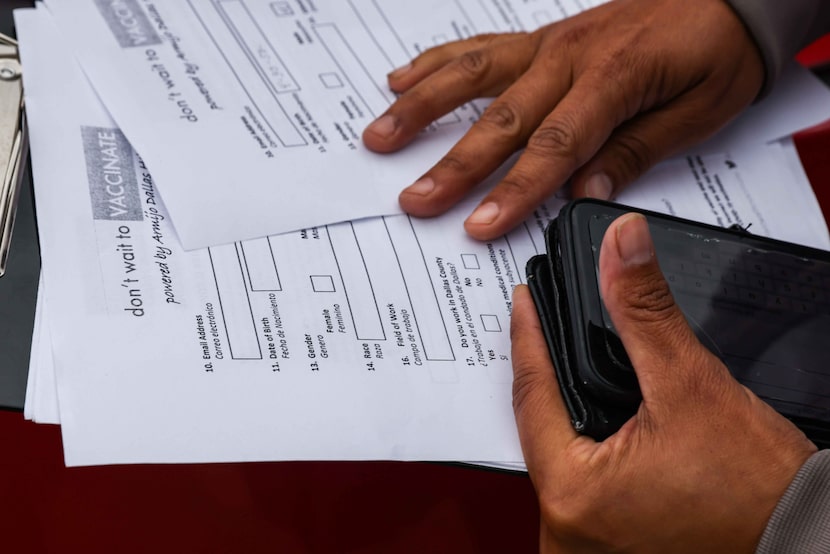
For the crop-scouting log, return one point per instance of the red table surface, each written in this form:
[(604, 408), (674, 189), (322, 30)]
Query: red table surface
[(365, 507)]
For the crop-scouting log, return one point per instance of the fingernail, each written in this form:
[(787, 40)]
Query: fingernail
[(395, 73), (422, 186), (599, 186), (384, 126), (484, 214), (634, 240)]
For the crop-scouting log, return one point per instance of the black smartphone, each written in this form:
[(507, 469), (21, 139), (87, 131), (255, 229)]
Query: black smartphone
[(761, 305)]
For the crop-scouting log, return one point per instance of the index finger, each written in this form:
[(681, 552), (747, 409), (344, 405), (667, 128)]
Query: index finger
[(543, 422), (475, 73), (567, 138)]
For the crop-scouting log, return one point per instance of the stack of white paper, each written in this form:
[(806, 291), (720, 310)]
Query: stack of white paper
[(380, 338)]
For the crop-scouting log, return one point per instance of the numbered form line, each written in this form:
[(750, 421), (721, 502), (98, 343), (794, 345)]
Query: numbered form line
[(234, 302), (426, 310)]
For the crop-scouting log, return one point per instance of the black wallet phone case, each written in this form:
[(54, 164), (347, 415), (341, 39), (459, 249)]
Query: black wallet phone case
[(589, 415), (596, 411)]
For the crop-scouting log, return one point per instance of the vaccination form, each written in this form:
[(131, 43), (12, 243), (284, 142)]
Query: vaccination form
[(249, 112), (384, 338)]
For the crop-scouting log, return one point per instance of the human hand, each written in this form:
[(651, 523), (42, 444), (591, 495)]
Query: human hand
[(599, 97), (699, 468)]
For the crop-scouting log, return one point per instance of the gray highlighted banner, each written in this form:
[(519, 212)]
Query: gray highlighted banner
[(110, 167), (128, 23)]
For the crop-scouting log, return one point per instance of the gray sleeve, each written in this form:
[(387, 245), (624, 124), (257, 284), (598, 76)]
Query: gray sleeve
[(801, 520), (781, 28)]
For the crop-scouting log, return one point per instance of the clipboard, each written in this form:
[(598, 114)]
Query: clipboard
[(14, 146), (18, 286)]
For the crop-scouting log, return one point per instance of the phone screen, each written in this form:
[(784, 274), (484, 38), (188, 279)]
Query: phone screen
[(765, 312)]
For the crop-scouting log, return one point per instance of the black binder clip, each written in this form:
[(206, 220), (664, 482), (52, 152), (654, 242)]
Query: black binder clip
[(14, 145)]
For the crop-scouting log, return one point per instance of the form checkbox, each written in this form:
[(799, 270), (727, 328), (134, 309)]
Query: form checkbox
[(331, 80), (470, 261), (322, 283), (490, 323)]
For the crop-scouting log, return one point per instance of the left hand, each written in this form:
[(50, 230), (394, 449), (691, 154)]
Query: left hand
[(699, 467), (600, 96)]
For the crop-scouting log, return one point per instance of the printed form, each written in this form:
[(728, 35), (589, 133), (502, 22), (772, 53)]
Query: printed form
[(384, 338), (249, 112)]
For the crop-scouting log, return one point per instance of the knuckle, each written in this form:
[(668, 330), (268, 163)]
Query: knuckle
[(634, 155), (518, 186), (485, 39), (503, 117), (621, 73), (495, 40), (473, 65), (650, 301), (630, 58), (454, 162), (411, 100), (454, 49), (569, 32), (575, 33), (557, 139), (523, 384), (428, 54)]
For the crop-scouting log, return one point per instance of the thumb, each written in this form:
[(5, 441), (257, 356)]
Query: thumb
[(662, 347)]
